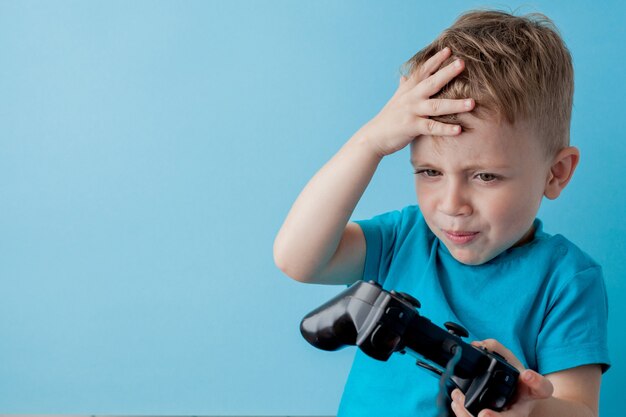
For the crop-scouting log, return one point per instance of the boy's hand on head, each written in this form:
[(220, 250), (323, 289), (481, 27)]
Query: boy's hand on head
[(532, 387), (407, 114)]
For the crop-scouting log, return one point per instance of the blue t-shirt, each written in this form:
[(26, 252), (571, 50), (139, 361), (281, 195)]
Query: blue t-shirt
[(545, 301)]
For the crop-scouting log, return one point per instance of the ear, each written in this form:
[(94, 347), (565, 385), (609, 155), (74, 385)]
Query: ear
[(561, 171)]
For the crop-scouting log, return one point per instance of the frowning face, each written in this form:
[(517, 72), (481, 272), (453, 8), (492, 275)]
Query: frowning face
[(480, 191)]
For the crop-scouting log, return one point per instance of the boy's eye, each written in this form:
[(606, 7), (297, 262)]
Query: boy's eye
[(428, 172), (486, 177)]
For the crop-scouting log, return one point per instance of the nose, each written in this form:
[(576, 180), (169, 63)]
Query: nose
[(454, 199)]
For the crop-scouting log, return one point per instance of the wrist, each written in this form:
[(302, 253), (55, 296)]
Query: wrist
[(367, 142)]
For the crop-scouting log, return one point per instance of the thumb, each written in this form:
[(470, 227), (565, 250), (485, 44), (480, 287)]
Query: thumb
[(534, 386)]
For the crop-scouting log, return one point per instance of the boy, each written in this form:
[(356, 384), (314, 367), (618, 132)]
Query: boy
[(486, 110)]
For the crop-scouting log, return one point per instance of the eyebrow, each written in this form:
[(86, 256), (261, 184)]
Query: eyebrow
[(473, 167)]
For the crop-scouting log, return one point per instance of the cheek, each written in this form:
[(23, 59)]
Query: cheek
[(425, 198), (515, 211)]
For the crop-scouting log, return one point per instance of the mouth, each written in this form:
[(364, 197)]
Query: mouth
[(460, 237)]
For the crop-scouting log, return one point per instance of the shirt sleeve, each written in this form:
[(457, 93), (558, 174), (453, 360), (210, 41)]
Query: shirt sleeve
[(574, 332), (380, 234)]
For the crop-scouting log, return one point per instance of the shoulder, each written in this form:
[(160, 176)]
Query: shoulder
[(575, 307), (556, 270), (562, 256), (576, 277), (566, 258)]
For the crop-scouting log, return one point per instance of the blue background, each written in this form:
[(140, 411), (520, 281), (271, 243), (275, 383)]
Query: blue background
[(149, 152)]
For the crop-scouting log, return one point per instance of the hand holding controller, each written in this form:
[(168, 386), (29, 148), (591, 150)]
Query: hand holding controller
[(381, 322)]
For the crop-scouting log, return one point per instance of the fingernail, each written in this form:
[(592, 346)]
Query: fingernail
[(527, 376), (468, 103), (457, 63)]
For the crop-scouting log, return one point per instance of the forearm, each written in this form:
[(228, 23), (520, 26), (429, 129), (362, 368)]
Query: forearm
[(555, 407), (314, 226), (312, 232)]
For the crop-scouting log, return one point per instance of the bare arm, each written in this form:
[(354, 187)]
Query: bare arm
[(316, 244), (573, 392), (576, 393)]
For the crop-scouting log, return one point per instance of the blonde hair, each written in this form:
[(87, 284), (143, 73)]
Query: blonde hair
[(516, 67)]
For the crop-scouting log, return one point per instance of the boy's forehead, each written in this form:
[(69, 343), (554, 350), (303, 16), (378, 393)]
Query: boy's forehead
[(482, 137)]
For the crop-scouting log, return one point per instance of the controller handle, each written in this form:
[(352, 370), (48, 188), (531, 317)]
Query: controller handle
[(336, 323)]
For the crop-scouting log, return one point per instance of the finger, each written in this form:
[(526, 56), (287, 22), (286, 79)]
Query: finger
[(459, 410), (438, 107), (429, 67), (431, 85), (458, 404), (534, 386), (435, 128), (434, 62), (491, 413)]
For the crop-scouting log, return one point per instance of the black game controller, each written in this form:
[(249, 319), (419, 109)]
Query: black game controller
[(381, 322)]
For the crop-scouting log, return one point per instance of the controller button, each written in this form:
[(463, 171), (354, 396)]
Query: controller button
[(499, 402), (503, 378), (456, 329), (407, 298)]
